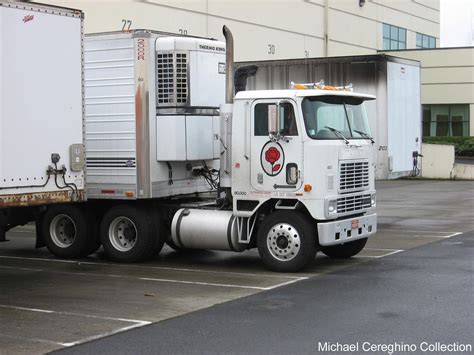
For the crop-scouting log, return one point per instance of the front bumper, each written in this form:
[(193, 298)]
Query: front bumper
[(347, 230)]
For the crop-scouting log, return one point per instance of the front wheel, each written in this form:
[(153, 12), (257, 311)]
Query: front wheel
[(286, 241), (346, 250)]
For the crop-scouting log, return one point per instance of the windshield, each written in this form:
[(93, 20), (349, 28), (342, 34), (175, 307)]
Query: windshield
[(325, 114)]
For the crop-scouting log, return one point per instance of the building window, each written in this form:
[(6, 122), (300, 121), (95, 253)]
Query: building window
[(394, 37), (445, 120), (425, 41)]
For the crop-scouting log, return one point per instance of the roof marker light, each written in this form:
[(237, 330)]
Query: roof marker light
[(320, 86)]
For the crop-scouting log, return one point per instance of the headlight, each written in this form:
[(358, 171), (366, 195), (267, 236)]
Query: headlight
[(373, 200), (332, 206)]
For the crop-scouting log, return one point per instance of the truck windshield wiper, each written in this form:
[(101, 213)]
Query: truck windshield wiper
[(364, 135), (338, 133)]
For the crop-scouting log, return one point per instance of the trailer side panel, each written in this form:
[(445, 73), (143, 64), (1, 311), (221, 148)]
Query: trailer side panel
[(41, 94)]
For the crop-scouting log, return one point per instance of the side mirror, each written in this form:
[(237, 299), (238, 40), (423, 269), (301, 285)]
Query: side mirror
[(273, 120)]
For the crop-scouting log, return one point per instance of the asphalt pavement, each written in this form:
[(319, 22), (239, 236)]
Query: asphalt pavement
[(224, 302), (418, 298)]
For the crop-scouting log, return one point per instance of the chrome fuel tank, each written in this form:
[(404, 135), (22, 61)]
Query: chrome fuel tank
[(206, 229)]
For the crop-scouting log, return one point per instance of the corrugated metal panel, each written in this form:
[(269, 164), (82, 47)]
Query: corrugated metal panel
[(110, 112)]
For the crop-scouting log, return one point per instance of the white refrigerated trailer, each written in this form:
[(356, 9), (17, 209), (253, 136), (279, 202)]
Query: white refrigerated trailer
[(41, 110), (395, 117), (289, 172)]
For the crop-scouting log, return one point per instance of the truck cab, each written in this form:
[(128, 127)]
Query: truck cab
[(306, 152)]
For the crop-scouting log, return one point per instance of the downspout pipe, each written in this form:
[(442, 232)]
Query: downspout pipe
[(229, 70)]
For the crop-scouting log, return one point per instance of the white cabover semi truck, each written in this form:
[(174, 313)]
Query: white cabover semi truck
[(289, 171)]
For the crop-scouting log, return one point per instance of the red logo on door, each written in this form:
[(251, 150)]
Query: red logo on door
[(28, 18), (272, 158)]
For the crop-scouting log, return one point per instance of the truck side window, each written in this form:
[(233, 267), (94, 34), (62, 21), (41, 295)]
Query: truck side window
[(287, 116), (261, 120), (288, 123)]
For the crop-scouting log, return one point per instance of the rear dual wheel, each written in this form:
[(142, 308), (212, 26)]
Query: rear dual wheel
[(287, 241), (130, 233), (70, 231)]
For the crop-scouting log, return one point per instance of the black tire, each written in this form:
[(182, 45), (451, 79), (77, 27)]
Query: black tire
[(346, 250), (159, 231), (130, 234), (281, 229), (94, 224), (67, 231)]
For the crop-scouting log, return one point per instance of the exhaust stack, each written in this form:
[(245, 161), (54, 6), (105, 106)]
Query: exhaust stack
[(229, 67), (225, 172)]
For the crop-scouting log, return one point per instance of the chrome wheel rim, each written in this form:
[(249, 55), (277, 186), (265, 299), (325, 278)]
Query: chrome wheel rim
[(63, 231), (283, 241), (123, 234)]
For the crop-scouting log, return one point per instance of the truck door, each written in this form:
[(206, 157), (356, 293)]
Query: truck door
[(276, 166)]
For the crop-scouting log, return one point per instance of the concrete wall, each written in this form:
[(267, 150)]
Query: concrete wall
[(437, 161), (463, 171), (270, 29)]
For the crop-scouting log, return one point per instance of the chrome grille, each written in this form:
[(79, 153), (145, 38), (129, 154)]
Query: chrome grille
[(165, 78), (353, 203), (353, 176)]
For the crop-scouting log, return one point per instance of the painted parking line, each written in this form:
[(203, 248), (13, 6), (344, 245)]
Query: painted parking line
[(102, 335), (227, 285), (143, 322), (22, 339), (395, 251), (435, 236), (451, 234), (177, 281), (135, 324), (128, 266), (148, 279), (389, 252), (422, 234)]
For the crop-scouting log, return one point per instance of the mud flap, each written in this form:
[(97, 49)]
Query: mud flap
[(39, 235)]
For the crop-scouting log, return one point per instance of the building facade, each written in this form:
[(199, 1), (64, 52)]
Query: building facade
[(277, 29), (292, 29), (447, 89)]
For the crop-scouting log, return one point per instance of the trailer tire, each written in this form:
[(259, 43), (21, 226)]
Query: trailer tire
[(287, 241), (129, 234), (346, 250), (94, 243), (66, 231)]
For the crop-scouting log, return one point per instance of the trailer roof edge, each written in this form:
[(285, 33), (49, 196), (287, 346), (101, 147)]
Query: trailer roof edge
[(349, 59), (36, 6)]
